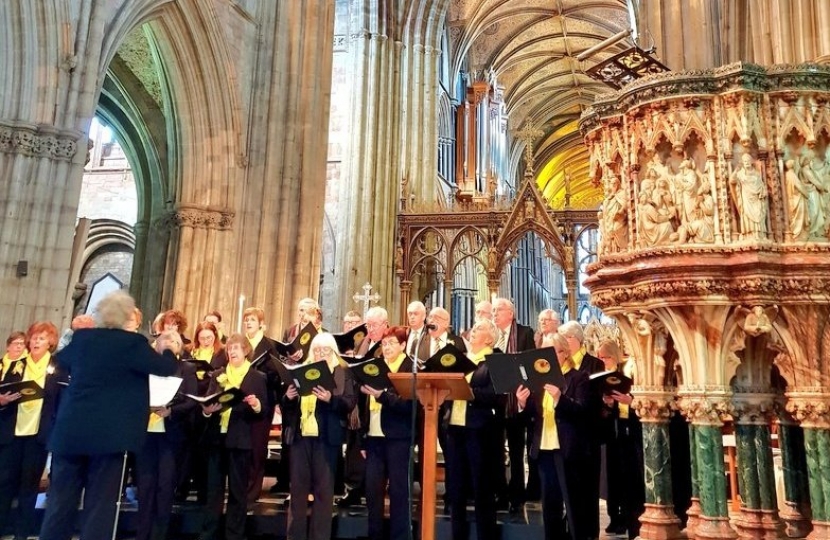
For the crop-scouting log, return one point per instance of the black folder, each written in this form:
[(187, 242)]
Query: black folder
[(373, 372), (611, 381), (202, 368), (227, 398), (305, 377), (28, 390), (534, 369), (302, 342), (351, 340), (449, 359)]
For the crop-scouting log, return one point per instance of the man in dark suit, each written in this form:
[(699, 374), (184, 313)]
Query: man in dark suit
[(438, 331), (588, 364), (98, 422), (513, 338), (417, 342)]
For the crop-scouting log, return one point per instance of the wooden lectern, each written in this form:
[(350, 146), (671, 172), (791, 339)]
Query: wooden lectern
[(432, 390)]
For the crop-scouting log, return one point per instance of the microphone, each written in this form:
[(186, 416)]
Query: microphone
[(430, 326)]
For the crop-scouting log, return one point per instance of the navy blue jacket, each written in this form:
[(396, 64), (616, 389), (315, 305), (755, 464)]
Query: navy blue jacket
[(571, 414), (55, 381), (331, 417), (242, 415), (104, 409), (480, 408), (395, 412)]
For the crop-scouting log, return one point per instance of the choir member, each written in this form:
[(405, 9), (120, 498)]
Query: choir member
[(98, 421), (377, 321), (548, 324), (215, 318), (559, 442), (588, 364), (417, 340), (469, 442), (230, 437), (623, 450), (439, 331), (207, 348), (28, 426), (314, 427), (159, 461), (387, 427), (513, 338), (351, 320), (174, 320), (351, 467), (263, 354)]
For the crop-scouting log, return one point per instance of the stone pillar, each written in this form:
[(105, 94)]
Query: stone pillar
[(705, 413), (693, 513), (812, 409), (659, 521), (756, 477), (796, 485)]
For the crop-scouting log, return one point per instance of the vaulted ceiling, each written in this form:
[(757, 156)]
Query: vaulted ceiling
[(531, 47)]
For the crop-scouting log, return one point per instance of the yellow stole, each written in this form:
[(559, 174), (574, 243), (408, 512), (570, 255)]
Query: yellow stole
[(579, 356), (205, 355), (255, 339), (550, 435), (375, 406), (458, 414), (235, 376), (28, 414), (6, 364)]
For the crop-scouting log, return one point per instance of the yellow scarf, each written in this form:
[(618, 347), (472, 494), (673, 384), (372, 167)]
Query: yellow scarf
[(28, 414), (7, 362), (205, 355), (550, 435), (235, 376), (308, 405), (375, 406), (458, 415), (579, 356), (255, 339)]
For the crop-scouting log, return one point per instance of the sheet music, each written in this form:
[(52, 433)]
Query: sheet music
[(163, 389)]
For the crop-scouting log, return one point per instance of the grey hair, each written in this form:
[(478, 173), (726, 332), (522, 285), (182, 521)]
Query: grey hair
[(114, 310), (377, 312), (572, 329), (490, 328)]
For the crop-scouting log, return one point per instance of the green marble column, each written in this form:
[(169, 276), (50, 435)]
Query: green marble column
[(657, 457), (693, 512), (756, 477), (817, 450), (796, 484), (711, 476)]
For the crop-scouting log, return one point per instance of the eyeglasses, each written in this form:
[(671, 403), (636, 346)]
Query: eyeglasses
[(389, 343), (373, 326), (322, 350), (546, 320)]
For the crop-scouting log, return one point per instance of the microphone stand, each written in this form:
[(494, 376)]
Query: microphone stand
[(414, 428)]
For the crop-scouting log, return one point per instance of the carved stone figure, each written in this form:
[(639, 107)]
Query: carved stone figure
[(749, 191), (815, 189), (615, 217), (758, 321), (797, 197), (655, 228)]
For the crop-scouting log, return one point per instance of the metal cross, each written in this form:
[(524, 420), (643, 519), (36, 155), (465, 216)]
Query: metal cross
[(527, 134), (366, 298)]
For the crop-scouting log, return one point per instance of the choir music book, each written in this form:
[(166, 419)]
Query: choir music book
[(611, 381), (534, 369), (305, 377), (28, 390), (350, 341), (226, 398), (373, 372), (449, 359), (302, 342), (202, 368), (163, 390)]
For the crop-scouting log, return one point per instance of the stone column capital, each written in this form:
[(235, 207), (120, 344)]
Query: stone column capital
[(809, 407), (654, 405), (37, 140), (754, 408), (197, 217), (706, 408)]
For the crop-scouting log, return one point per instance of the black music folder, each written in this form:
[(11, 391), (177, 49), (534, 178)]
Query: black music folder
[(305, 377), (534, 369), (373, 372), (28, 390), (226, 398), (449, 359), (302, 342), (611, 381), (351, 340)]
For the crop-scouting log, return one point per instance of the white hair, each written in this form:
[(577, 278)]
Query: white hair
[(572, 329)]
